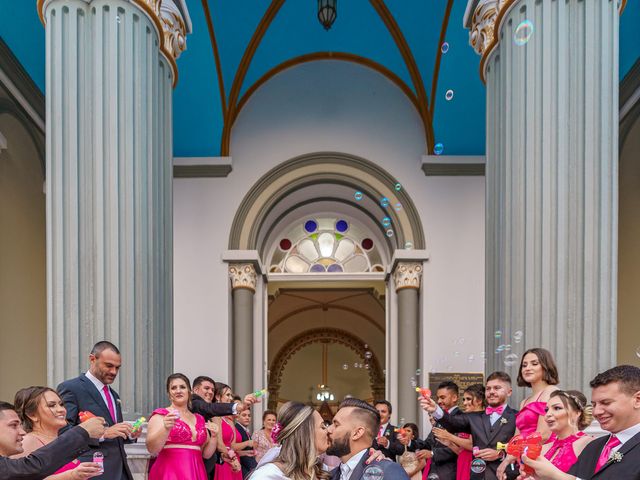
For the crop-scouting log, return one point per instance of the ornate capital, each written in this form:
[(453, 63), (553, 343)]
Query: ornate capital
[(483, 24), (243, 275), (407, 275)]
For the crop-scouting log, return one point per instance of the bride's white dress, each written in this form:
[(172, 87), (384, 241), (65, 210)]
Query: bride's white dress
[(268, 471)]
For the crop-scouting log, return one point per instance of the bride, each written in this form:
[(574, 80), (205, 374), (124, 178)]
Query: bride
[(302, 436)]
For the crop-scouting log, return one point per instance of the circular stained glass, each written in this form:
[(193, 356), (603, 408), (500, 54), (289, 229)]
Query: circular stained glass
[(342, 226), (367, 244), (285, 244), (334, 268), (316, 267), (311, 226)]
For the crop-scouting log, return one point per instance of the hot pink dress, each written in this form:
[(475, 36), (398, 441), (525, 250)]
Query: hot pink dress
[(527, 418), (465, 457), (183, 462), (229, 435), (65, 468), (561, 453)]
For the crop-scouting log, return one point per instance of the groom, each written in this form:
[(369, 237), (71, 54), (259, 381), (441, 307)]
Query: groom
[(616, 405), (353, 430)]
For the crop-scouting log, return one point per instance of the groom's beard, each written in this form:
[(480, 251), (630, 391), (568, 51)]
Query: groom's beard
[(339, 447)]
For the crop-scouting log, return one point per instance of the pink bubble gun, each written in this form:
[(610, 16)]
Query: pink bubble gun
[(529, 445)]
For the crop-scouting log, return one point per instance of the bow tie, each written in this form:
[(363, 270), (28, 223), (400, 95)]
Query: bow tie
[(498, 410)]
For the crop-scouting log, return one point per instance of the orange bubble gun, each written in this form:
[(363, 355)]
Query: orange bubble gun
[(260, 393), (84, 416), (425, 392), (401, 431), (529, 445), (137, 425)]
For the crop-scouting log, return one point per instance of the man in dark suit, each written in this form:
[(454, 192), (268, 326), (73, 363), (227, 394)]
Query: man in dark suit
[(386, 439), (45, 460), (354, 428), (247, 460), (616, 405), (444, 461), (91, 393), (496, 424)]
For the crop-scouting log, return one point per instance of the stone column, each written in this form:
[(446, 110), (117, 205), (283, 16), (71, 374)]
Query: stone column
[(407, 278), (110, 67), (552, 180), (243, 283)]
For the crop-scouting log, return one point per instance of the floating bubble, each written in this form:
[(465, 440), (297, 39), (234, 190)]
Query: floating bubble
[(386, 221), (358, 196), (345, 366), (118, 18), (501, 348), (389, 233), (366, 346), (461, 341), (456, 354), (408, 245), (483, 355), (444, 48), (366, 366), (517, 336), (384, 371), (438, 148), (510, 360), (413, 382), (398, 207), (449, 95), (433, 476), (397, 187), (449, 368), (470, 358), (355, 365), (523, 33), (384, 202), (418, 372), (373, 472), (478, 465), (498, 334), (507, 347), (361, 365), (368, 355), (638, 352)]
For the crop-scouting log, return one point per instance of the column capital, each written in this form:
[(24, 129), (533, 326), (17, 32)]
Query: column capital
[(170, 17), (407, 275), (243, 275)]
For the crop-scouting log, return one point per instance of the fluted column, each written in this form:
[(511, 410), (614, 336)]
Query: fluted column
[(552, 180), (407, 278), (243, 284), (109, 73)]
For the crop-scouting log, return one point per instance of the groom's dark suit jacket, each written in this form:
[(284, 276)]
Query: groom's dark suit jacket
[(80, 395), (628, 468), (391, 470), (483, 433)]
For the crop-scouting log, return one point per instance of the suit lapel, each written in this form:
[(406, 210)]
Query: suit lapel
[(626, 448), (358, 471), (486, 424), (91, 389), (497, 427)]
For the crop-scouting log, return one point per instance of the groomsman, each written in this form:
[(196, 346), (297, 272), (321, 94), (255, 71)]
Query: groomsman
[(386, 439), (616, 405), (247, 460), (496, 424), (91, 392)]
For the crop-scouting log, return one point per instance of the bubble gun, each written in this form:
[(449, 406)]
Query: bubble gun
[(425, 392), (137, 425), (260, 393), (529, 445), (84, 416)]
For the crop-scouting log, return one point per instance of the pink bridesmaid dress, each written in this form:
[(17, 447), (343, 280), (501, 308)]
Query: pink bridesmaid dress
[(183, 458), (465, 457), (527, 418), (561, 453), (229, 435)]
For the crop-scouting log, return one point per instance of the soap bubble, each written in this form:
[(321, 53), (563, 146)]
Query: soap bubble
[(444, 48), (345, 366), (456, 354), (366, 366), (501, 348), (355, 365), (498, 334), (413, 382), (361, 365), (402, 421), (433, 476), (358, 196), (449, 95), (478, 465), (397, 187), (510, 360), (507, 347), (638, 352), (368, 355), (418, 372), (517, 336), (373, 473), (384, 202), (523, 33), (386, 221), (398, 207), (449, 368), (470, 358), (408, 245), (483, 355), (461, 341), (389, 233), (118, 18), (366, 346), (384, 371), (438, 148)]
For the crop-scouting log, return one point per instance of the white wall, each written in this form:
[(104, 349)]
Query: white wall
[(327, 106)]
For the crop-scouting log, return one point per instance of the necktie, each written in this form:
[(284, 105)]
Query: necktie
[(381, 432), (112, 410), (344, 471), (606, 452), (499, 410)]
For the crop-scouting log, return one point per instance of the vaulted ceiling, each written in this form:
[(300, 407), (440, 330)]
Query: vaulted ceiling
[(237, 45)]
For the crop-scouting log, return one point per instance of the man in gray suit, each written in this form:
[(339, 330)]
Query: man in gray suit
[(351, 434), (91, 392)]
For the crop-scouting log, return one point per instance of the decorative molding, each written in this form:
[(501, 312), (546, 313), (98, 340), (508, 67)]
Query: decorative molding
[(407, 275), (201, 167), (243, 275), (453, 166)]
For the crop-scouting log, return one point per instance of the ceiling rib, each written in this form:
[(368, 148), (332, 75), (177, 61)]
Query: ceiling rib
[(436, 67), (216, 56)]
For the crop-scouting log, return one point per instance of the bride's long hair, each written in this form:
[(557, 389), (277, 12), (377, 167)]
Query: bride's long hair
[(298, 455)]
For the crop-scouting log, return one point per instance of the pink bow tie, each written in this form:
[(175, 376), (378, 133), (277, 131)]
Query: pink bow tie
[(498, 410)]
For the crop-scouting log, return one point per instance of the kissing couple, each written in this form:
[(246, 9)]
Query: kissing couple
[(303, 438)]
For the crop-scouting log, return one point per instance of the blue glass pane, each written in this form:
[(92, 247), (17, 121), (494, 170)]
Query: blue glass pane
[(342, 226), (316, 267), (334, 268), (311, 226)]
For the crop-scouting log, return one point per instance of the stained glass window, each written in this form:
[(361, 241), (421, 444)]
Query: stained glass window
[(326, 245)]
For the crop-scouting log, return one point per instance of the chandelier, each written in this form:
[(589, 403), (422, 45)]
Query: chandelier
[(324, 395), (327, 12)]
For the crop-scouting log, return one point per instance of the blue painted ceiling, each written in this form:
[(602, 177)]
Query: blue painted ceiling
[(294, 31)]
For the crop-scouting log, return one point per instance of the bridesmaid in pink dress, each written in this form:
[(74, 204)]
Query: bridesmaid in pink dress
[(538, 371), (43, 414), (227, 435), (179, 438)]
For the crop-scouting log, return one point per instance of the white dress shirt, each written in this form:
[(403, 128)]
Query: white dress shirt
[(346, 469), (100, 386)]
